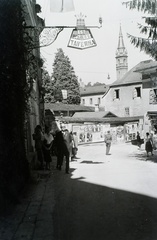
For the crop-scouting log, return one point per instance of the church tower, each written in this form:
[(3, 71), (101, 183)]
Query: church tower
[(121, 57)]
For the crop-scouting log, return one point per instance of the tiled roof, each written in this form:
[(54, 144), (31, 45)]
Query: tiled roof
[(68, 107), (130, 77), (93, 114), (93, 90), (147, 66), (111, 120)]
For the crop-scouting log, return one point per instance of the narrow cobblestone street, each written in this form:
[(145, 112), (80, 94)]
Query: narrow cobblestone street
[(104, 197)]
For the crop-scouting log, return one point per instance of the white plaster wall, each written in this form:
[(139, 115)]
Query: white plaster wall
[(117, 106), (95, 100)]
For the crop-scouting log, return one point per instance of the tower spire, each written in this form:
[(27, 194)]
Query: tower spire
[(121, 57), (121, 42)]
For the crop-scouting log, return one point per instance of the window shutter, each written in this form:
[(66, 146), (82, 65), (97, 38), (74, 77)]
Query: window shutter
[(114, 94), (134, 93)]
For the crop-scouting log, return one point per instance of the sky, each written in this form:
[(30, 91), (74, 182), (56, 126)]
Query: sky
[(94, 64)]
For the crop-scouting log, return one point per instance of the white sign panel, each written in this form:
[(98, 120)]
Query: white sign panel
[(81, 39)]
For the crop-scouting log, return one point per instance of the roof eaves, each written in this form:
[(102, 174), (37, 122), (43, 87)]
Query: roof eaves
[(106, 92), (126, 84)]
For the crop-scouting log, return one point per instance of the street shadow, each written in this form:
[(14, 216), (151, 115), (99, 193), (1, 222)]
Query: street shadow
[(142, 156), (82, 210), (91, 162), (89, 211)]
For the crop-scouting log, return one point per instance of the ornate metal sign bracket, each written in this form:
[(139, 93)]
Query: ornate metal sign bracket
[(46, 35)]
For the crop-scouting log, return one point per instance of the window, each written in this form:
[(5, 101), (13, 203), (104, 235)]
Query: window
[(83, 101), (91, 101), (137, 92), (99, 101), (127, 111), (116, 94)]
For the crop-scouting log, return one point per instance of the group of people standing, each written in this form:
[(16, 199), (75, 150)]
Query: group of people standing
[(43, 146), (61, 142), (65, 145), (150, 142)]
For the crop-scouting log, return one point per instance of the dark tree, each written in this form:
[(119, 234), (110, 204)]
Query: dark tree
[(14, 92), (89, 84), (64, 78), (147, 44), (98, 84), (47, 85)]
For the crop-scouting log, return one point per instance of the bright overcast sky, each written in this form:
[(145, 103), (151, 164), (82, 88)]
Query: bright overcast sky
[(94, 64)]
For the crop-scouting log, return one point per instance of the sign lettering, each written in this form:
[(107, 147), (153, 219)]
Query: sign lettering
[(81, 39)]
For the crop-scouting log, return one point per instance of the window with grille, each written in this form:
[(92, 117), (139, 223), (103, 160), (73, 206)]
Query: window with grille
[(127, 111)]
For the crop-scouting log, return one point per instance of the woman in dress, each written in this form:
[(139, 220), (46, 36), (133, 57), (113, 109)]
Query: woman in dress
[(38, 137), (148, 144), (138, 140), (47, 144)]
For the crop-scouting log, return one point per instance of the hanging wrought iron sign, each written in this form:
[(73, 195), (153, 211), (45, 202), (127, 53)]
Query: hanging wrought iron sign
[(81, 37)]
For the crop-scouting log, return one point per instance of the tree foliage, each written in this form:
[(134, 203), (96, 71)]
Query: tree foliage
[(15, 85), (98, 84), (47, 86), (64, 78), (89, 84), (147, 44)]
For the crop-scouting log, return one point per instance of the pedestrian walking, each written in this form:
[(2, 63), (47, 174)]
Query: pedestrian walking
[(47, 145), (68, 141), (62, 150), (38, 138), (75, 146), (148, 144), (108, 140), (139, 142)]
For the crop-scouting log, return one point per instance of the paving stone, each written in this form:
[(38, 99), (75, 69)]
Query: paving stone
[(43, 229), (25, 231)]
